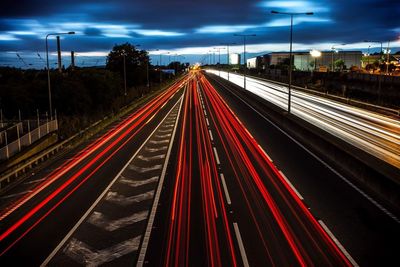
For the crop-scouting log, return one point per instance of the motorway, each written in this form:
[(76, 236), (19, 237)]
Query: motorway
[(196, 177), (376, 134)]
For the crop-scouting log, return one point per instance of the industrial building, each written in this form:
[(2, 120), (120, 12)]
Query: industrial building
[(305, 62)]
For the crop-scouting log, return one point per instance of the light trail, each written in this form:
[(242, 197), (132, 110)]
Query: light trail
[(262, 185), (122, 134), (376, 134)]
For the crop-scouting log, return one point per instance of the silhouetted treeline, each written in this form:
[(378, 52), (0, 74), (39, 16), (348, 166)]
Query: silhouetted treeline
[(80, 97)]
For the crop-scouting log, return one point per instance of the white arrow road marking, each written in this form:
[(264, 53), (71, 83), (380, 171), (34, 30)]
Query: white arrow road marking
[(145, 169), (151, 158), (123, 200), (84, 254), (98, 219), (135, 183), (149, 149), (155, 142)]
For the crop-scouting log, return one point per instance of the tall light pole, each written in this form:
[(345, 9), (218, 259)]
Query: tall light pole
[(227, 55), (124, 55), (334, 50), (244, 55), (147, 68), (219, 58), (290, 53), (380, 71), (48, 67)]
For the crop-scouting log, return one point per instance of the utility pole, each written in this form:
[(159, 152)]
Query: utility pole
[(244, 55), (290, 53), (227, 55)]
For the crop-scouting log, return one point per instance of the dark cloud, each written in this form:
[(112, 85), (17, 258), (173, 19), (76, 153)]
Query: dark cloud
[(340, 21), (92, 32)]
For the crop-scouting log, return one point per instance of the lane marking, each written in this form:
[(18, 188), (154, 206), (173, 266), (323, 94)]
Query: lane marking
[(241, 246), (291, 185), (150, 149), (16, 194), (146, 238), (86, 255), (228, 198), (150, 118), (265, 153), (122, 200), (135, 183), (98, 219), (73, 229), (208, 123), (344, 251), (145, 169), (155, 142), (151, 158), (35, 181), (162, 136), (216, 155), (370, 199), (211, 136)]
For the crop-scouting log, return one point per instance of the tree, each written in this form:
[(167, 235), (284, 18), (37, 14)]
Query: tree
[(339, 64), (135, 62)]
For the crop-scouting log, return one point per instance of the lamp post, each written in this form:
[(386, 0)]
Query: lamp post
[(124, 55), (147, 67), (244, 55), (219, 58), (334, 50), (227, 55), (380, 71), (290, 53), (48, 68)]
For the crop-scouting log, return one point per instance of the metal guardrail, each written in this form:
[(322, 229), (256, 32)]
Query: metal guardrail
[(27, 139)]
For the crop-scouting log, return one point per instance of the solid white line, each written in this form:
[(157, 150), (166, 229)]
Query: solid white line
[(348, 256), (35, 181), (16, 194), (265, 153), (146, 237), (379, 206), (150, 118), (53, 253), (211, 136), (216, 156), (291, 185), (241, 246), (228, 198)]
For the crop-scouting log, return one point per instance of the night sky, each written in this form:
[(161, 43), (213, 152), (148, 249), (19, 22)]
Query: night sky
[(190, 28)]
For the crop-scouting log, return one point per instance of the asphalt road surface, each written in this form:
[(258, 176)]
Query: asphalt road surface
[(196, 177)]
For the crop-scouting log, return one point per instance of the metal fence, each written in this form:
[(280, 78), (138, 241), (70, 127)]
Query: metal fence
[(27, 139)]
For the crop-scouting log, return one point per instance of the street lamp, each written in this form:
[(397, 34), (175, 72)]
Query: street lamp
[(147, 68), (219, 58), (334, 50), (227, 54), (290, 53), (380, 71), (244, 55), (48, 67), (124, 55)]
